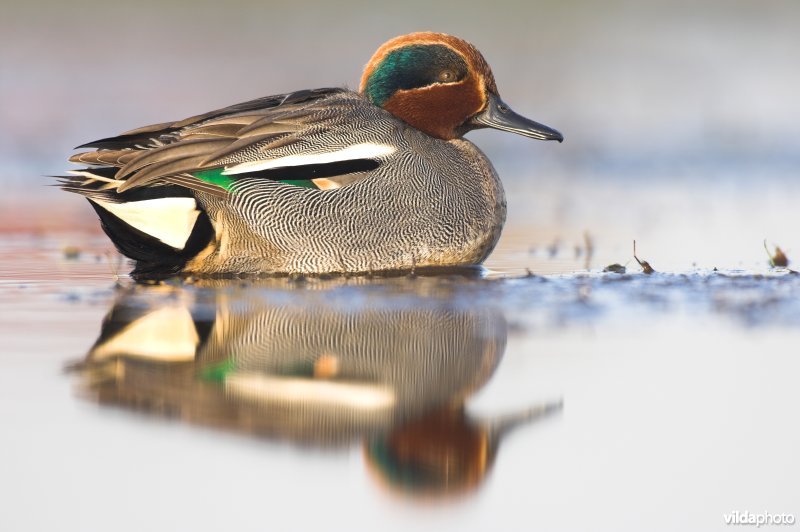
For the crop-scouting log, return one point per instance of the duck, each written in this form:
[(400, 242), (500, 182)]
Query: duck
[(316, 181)]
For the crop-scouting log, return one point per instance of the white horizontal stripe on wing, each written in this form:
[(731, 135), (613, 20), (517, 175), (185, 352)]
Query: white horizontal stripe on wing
[(357, 151)]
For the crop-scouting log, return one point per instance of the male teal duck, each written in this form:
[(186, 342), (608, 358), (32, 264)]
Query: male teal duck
[(315, 181)]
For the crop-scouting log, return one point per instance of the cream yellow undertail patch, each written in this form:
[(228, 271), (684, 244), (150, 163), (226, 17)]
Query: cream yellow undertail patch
[(170, 220)]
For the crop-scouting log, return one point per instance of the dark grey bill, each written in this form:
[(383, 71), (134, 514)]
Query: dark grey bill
[(498, 115)]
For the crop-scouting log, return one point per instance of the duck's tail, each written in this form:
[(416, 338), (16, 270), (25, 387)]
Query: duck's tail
[(160, 227)]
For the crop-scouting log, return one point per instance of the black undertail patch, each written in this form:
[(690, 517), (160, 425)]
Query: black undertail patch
[(154, 259)]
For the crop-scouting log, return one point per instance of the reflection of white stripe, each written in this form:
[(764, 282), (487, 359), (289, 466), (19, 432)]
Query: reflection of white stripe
[(357, 151), (267, 388), (170, 220)]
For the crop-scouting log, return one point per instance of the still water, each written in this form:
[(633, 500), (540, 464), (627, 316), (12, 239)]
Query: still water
[(466, 400)]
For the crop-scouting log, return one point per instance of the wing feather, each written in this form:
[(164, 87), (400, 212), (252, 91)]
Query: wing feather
[(155, 171), (258, 130), (269, 139), (178, 150)]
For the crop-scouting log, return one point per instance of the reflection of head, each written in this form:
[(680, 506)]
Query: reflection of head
[(445, 453), (442, 454)]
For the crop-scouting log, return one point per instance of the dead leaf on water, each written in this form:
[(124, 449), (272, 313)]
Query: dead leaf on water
[(614, 268), (778, 259), (71, 252)]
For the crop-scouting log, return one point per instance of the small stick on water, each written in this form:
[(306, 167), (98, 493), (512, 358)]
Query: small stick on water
[(114, 269), (778, 259), (553, 248), (589, 245), (646, 268)]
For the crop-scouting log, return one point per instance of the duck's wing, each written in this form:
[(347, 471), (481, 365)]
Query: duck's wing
[(302, 137)]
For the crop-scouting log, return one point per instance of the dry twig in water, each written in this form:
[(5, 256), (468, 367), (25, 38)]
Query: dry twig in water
[(114, 267), (646, 268), (589, 245)]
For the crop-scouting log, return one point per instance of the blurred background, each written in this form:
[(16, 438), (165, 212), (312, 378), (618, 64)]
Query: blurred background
[(682, 126), (682, 118)]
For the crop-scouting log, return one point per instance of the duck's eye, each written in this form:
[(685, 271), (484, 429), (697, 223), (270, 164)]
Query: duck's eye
[(446, 76)]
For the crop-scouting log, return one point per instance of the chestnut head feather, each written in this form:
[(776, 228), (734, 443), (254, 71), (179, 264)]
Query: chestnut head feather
[(433, 81), (442, 86)]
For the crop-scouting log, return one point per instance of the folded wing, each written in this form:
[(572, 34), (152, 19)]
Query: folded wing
[(302, 138)]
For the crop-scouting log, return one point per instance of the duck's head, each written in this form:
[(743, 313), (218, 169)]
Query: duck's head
[(443, 86)]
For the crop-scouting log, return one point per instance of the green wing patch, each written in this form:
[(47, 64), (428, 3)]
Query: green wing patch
[(216, 177)]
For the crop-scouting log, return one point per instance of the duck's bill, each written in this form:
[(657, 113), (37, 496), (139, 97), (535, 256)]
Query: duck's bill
[(498, 115)]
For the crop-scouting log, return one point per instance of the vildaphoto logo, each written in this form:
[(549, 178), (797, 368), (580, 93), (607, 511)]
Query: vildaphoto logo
[(759, 520)]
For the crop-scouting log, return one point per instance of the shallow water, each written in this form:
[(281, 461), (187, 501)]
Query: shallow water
[(452, 402)]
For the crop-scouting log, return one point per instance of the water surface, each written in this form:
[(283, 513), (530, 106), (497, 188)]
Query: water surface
[(456, 402)]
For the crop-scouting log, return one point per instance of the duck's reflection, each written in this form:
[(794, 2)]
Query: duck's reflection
[(317, 367)]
